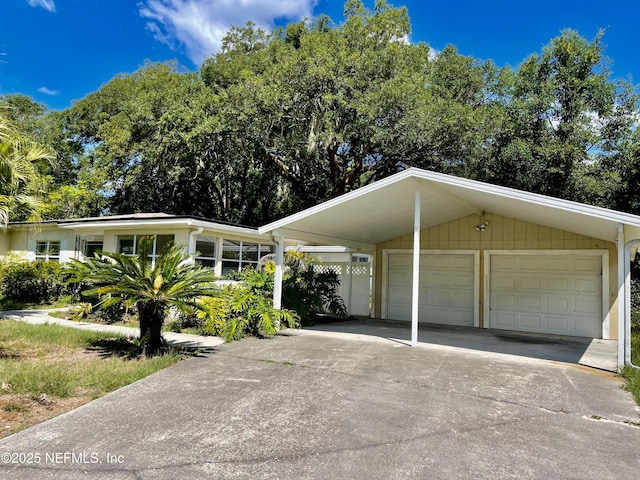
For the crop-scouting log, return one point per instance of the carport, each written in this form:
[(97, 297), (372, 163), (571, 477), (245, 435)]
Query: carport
[(459, 252)]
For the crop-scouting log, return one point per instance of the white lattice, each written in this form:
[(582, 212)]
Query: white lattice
[(337, 268)]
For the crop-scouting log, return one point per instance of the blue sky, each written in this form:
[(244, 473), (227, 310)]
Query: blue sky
[(58, 51)]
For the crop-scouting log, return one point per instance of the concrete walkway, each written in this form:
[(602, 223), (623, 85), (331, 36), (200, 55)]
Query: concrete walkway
[(39, 317), (308, 405)]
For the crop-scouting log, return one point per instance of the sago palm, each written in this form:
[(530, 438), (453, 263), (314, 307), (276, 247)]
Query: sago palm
[(171, 281)]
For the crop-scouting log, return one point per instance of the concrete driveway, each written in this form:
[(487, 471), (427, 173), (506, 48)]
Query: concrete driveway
[(312, 405)]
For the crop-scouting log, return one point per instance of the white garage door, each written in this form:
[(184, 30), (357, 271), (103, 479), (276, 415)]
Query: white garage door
[(560, 294), (446, 288)]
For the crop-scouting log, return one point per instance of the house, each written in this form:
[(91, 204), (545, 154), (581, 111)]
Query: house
[(453, 251), (222, 246), (415, 247)]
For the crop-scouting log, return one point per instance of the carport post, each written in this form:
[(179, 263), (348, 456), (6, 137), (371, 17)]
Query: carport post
[(416, 268), (277, 278), (622, 313)]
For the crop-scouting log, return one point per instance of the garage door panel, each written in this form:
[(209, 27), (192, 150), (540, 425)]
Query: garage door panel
[(532, 263), (531, 302), (503, 281), (547, 293), (557, 304), (446, 293), (527, 283), (531, 321), (399, 278), (587, 264), (504, 320), (587, 285)]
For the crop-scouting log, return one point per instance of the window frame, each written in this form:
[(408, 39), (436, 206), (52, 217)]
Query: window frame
[(240, 262), (136, 238), (47, 256)]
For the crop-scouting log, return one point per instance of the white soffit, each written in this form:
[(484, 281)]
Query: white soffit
[(384, 210)]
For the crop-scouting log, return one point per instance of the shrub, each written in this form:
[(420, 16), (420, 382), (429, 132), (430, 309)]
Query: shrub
[(213, 315), (250, 311), (635, 304), (635, 295), (312, 293), (36, 282)]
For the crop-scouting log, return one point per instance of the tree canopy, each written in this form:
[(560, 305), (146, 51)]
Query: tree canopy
[(276, 122)]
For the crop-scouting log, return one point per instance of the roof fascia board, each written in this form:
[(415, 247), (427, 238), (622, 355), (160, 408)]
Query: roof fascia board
[(183, 222), (336, 201), (289, 234), (534, 198)]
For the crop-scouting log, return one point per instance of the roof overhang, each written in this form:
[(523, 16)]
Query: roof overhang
[(384, 210), (164, 222)]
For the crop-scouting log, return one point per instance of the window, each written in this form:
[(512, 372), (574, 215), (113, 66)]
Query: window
[(90, 248), (129, 244), (48, 251), (237, 255), (206, 251)]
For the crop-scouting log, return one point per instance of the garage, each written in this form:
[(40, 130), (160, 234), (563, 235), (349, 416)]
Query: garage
[(547, 293), (543, 265), (447, 288)]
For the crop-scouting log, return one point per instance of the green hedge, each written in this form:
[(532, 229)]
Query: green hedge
[(35, 282)]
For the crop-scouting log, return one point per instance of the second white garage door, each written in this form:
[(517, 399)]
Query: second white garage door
[(559, 294), (446, 293)]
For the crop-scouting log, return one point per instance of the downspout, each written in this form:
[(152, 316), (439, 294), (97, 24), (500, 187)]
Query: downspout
[(627, 302), (192, 243)]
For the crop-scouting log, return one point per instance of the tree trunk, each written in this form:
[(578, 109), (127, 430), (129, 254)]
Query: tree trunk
[(151, 315)]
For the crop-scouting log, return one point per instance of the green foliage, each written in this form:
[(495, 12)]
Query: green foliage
[(22, 184), (213, 315), (631, 374), (250, 311), (172, 281), (307, 288), (35, 282), (276, 122), (635, 304), (312, 292)]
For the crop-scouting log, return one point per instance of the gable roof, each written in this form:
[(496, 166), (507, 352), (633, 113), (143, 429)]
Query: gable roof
[(384, 210)]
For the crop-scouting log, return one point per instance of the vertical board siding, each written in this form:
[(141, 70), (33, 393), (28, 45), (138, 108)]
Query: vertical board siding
[(503, 233)]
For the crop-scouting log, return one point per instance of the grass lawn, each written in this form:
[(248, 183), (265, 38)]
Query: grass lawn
[(632, 375), (46, 370)]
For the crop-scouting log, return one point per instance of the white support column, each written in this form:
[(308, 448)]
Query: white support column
[(622, 313), (277, 280), (415, 290), (217, 269)]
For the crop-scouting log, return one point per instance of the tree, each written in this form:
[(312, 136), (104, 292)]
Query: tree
[(564, 116), (326, 109), (171, 281), (22, 186)]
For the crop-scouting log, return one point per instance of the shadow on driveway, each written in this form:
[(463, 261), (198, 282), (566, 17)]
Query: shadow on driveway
[(596, 353)]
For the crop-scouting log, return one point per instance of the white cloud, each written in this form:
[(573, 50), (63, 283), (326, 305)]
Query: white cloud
[(48, 5), (200, 25), (48, 91)]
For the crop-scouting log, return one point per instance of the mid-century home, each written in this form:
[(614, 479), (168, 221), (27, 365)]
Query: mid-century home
[(445, 250)]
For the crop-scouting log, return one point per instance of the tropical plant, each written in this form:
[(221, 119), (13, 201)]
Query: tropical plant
[(307, 287), (250, 311), (171, 281), (21, 183)]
